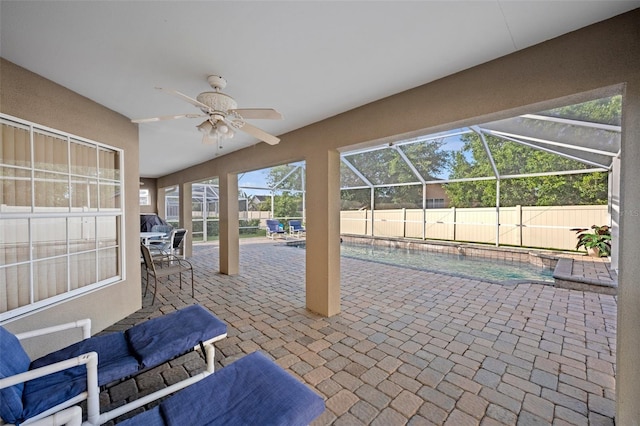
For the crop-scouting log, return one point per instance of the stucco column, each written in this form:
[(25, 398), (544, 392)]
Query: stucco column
[(628, 338), (614, 212), (323, 233), (229, 225), (161, 202), (185, 218)]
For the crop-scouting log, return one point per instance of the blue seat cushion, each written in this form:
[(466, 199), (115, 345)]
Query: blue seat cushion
[(48, 391), (115, 360), (151, 417), (13, 360), (251, 391), (159, 339)]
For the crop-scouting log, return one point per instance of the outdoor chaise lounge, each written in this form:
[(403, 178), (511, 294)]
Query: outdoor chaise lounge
[(250, 391), (33, 389)]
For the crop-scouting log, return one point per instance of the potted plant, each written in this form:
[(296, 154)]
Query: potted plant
[(596, 240)]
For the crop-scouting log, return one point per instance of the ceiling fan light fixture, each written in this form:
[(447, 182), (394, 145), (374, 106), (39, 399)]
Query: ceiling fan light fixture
[(223, 118), (205, 127)]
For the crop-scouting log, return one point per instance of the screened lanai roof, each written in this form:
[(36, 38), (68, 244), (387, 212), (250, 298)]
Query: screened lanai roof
[(585, 136)]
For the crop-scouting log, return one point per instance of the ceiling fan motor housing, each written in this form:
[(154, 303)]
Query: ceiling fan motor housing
[(217, 101)]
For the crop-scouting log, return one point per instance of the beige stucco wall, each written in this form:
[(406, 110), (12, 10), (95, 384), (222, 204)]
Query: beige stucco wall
[(150, 184), (595, 61), (28, 96)]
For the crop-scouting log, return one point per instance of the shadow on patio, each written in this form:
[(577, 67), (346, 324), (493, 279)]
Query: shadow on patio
[(410, 347)]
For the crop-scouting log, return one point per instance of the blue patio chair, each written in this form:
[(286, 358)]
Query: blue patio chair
[(30, 390), (296, 228), (274, 227)]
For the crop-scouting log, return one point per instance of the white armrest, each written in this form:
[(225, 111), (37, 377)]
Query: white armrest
[(71, 416), (92, 394), (85, 324)]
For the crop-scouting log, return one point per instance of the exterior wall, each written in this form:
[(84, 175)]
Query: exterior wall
[(544, 227), (628, 336), (437, 191), (28, 96), (150, 184)]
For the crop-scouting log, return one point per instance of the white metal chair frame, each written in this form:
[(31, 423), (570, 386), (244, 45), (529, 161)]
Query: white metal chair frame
[(273, 229), (168, 245), (163, 266), (62, 414)]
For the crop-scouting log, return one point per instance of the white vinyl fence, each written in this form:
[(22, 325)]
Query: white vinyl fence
[(545, 227)]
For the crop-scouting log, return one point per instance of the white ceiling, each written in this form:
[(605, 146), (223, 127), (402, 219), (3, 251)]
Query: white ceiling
[(308, 59)]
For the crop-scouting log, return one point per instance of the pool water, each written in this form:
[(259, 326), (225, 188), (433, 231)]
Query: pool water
[(466, 266)]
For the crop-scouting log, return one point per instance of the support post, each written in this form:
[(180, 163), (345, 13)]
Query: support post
[(373, 206), (628, 336), (323, 233), (185, 217), (424, 211), (229, 225), (497, 212)]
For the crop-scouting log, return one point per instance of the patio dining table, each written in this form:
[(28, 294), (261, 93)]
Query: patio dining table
[(146, 236)]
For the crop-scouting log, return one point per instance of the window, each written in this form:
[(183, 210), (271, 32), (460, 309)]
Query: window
[(60, 216), (144, 197), (435, 203)]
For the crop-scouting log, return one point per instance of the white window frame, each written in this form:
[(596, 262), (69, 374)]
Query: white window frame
[(436, 203), (118, 213), (145, 198)]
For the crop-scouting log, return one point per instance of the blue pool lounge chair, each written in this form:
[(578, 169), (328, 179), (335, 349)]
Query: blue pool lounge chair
[(274, 228), (250, 391), (296, 228), (31, 390)]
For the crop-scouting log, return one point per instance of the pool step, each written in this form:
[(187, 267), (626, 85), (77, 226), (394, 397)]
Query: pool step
[(585, 276)]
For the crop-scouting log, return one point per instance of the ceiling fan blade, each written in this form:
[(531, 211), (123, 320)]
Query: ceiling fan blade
[(167, 117), (258, 113), (258, 133), (184, 97)]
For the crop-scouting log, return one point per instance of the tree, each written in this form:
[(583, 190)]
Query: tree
[(514, 158), (287, 178), (386, 166)]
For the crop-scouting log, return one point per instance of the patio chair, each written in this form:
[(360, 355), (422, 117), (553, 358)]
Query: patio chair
[(274, 227), (30, 390), (172, 245), (162, 266), (296, 228), (161, 240)]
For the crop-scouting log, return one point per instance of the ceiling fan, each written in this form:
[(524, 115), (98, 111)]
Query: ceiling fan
[(223, 117)]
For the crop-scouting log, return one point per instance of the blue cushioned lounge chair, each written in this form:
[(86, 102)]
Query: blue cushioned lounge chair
[(274, 228), (34, 389), (251, 391), (296, 228)]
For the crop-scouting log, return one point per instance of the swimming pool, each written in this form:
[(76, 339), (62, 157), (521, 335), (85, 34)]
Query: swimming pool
[(492, 270)]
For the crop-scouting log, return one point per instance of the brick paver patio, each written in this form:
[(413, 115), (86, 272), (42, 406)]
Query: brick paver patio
[(409, 347)]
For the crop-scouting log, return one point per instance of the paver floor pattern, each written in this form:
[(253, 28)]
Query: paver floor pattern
[(409, 347)]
